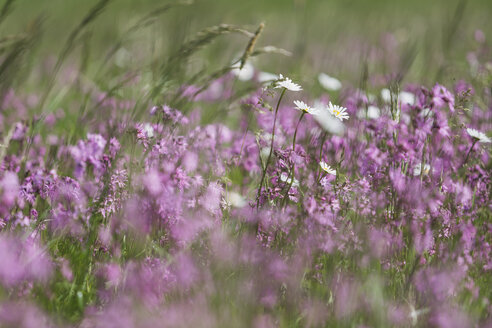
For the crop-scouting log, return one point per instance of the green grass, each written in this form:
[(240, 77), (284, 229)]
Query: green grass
[(319, 33)]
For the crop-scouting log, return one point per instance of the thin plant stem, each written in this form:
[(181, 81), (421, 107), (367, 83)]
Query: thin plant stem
[(293, 165), (320, 156), (271, 149), (295, 132), (469, 151)]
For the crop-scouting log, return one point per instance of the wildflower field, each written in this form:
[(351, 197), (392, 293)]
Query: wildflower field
[(275, 163)]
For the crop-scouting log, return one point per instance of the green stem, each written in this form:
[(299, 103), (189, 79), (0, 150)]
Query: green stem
[(422, 162), (318, 174), (295, 132), (271, 150), (469, 151), (286, 195)]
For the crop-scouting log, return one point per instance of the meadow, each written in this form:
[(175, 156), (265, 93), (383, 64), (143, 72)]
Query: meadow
[(213, 163)]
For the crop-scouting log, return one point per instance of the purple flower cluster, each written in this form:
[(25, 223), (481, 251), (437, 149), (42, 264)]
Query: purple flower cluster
[(163, 221)]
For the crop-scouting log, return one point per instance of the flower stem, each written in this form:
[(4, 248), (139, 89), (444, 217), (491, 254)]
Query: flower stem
[(422, 162), (295, 132), (469, 151), (318, 170), (271, 150), (286, 195)]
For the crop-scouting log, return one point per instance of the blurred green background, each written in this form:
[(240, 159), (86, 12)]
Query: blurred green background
[(336, 37)]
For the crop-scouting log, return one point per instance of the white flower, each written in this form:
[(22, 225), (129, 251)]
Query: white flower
[(285, 82), (404, 97), (328, 82), (338, 111), (327, 121), (244, 74), (418, 169), (407, 98), (285, 178), (386, 95), (234, 199), (266, 77), (480, 136), (149, 130), (300, 105), (327, 168), (373, 112)]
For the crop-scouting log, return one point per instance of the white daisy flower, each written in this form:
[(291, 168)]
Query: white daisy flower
[(338, 111), (417, 170), (284, 177), (327, 121), (328, 82), (302, 106), (480, 136), (327, 168), (285, 82)]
